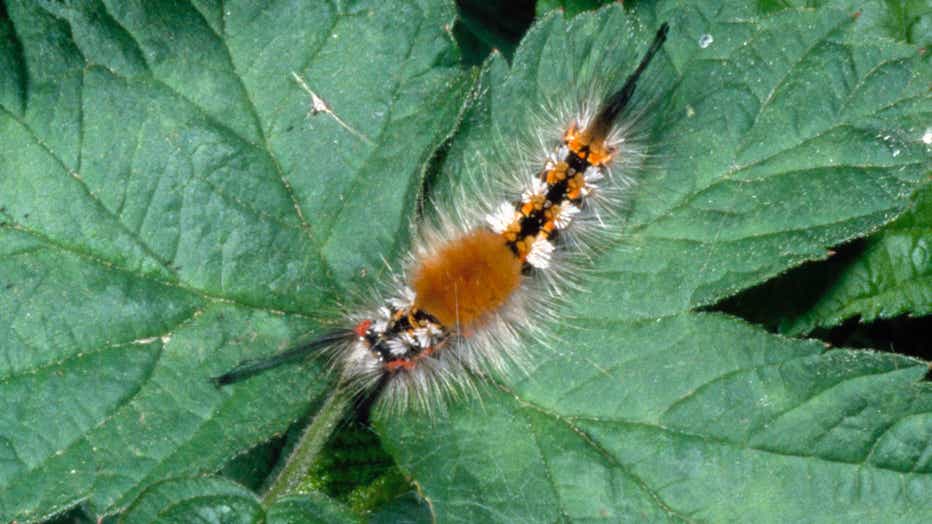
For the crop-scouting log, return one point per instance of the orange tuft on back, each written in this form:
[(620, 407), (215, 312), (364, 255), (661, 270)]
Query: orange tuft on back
[(466, 279)]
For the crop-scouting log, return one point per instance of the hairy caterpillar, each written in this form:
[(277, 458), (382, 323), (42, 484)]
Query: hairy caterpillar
[(484, 273)]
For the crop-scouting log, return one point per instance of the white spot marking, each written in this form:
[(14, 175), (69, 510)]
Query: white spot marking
[(396, 347), (565, 216), (405, 299), (539, 256), (591, 176), (408, 339), (501, 218), (538, 188), (423, 337)]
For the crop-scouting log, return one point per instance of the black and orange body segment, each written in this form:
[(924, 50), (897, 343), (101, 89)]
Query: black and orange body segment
[(566, 181), (403, 321), (564, 186)]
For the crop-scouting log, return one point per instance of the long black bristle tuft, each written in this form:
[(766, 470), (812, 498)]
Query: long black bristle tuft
[(616, 103), (248, 368)]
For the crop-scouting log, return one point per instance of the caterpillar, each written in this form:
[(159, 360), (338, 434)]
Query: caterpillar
[(482, 274)]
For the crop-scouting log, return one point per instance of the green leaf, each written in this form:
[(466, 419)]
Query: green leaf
[(892, 277), (569, 7), (311, 508), (908, 21), (353, 468), (214, 499), (169, 207), (880, 278), (786, 135), (208, 499), (889, 274), (406, 509), (691, 418)]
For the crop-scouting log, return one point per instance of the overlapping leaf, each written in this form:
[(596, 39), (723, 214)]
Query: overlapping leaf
[(893, 277), (884, 276), (213, 499)]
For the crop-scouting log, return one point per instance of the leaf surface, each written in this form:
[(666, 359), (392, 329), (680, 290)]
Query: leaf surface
[(893, 276), (885, 276), (214, 499), (168, 206), (692, 418)]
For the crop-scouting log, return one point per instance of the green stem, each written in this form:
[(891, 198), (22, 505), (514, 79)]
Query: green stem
[(308, 447)]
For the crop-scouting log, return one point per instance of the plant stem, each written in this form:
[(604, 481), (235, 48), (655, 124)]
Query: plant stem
[(308, 447)]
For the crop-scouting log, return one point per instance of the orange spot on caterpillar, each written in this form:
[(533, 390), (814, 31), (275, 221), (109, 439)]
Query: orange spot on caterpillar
[(467, 279), (408, 364), (575, 186), (362, 327), (524, 247), (395, 365), (557, 174), (536, 204), (589, 144)]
